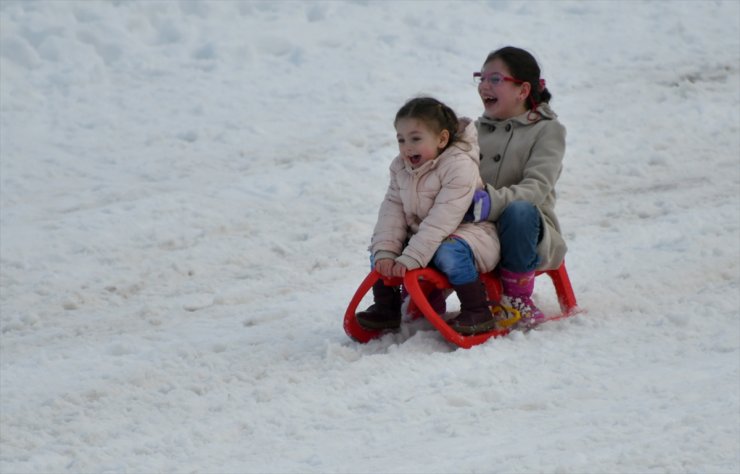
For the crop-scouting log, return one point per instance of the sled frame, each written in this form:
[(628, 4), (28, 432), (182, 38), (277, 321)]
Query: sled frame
[(430, 277)]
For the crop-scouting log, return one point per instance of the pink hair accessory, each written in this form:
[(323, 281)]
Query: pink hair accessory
[(542, 85)]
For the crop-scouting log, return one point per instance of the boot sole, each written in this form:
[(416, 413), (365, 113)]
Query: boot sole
[(477, 329), (377, 326)]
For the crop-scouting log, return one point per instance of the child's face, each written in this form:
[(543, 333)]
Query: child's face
[(417, 143), (505, 99)]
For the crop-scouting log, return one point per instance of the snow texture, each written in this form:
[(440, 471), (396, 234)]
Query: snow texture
[(188, 190)]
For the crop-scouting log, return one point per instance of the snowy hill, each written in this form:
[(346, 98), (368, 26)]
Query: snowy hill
[(187, 192)]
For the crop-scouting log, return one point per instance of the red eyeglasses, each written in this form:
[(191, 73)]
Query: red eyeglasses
[(494, 78)]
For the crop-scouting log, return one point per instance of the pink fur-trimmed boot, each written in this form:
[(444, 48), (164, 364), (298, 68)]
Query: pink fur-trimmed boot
[(518, 288)]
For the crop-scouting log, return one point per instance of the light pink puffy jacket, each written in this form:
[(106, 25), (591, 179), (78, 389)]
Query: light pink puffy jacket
[(426, 205)]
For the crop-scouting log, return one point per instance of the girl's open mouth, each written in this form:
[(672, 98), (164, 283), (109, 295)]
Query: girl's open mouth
[(489, 100), (414, 159)]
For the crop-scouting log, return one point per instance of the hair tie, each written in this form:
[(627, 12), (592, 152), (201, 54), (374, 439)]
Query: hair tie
[(542, 85)]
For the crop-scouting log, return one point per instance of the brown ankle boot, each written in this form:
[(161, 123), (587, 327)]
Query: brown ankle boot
[(475, 316), (385, 313)]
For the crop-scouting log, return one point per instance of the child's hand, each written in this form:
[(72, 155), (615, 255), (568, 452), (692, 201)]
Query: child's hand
[(399, 270), (385, 267), (390, 268), (479, 208)]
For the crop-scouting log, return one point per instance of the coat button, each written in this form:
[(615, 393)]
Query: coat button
[(508, 127), (497, 158)]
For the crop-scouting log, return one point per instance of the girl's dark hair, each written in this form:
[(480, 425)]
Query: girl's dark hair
[(523, 66), (435, 114)]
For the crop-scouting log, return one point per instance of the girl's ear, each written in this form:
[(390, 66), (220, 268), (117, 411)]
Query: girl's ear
[(525, 90), (444, 137)]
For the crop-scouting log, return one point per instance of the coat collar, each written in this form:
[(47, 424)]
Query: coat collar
[(544, 111)]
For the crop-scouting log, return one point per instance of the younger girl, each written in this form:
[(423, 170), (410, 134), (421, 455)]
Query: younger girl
[(522, 146), (432, 182)]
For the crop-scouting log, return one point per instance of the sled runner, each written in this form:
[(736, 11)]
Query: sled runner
[(420, 282)]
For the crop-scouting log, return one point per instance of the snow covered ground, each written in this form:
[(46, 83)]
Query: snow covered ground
[(188, 189)]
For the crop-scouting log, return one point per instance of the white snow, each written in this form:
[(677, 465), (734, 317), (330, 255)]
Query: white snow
[(188, 190)]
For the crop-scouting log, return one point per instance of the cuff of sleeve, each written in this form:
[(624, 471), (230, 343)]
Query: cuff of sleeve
[(408, 262), (496, 206), (381, 254)]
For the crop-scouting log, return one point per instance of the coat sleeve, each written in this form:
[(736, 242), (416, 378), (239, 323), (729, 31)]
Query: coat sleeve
[(390, 229), (459, 179), (541, 172)]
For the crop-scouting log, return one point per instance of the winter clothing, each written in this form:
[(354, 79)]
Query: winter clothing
[(521, 159), (518, 289), (480, 208), (519, 229), (455, 259), (426, 206), (436, 297), (475, 316), (385, 313)]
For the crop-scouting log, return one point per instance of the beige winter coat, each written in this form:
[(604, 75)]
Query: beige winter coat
[(522, 160), (426, 205)]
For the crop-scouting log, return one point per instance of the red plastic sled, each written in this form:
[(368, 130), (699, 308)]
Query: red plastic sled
[(419, 282)]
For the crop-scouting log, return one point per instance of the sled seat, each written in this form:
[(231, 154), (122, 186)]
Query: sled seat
[(420, 282)]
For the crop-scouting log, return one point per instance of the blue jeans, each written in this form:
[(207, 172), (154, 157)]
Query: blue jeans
[(519, 231), (455, 259)]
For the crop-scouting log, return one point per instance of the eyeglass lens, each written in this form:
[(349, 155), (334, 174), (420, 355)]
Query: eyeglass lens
[(494, 78)]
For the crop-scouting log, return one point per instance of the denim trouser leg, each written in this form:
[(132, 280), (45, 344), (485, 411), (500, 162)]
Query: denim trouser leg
[(519, 230), (455, 259)]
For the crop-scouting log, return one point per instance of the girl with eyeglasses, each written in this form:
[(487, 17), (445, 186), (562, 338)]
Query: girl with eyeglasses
[(522, 144)]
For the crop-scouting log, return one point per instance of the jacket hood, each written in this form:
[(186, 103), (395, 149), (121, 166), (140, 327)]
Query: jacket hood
[(469, 142)]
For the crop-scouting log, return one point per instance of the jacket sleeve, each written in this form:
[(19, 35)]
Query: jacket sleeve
[(459, 179), (390, 229), (541, 172)]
